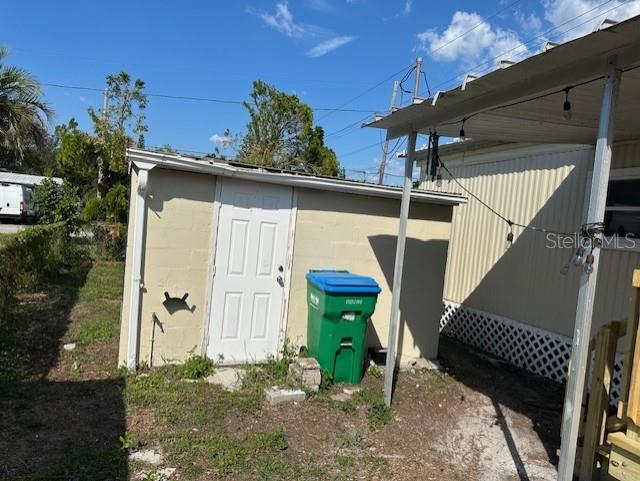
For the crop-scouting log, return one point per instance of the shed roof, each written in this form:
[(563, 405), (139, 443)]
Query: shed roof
[(24, 179), (220, 168), (524, 102)]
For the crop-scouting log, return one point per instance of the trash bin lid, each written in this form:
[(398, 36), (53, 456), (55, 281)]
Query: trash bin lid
[(343, 282)]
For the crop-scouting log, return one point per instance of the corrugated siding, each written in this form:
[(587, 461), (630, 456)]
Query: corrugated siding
[(542, 186)]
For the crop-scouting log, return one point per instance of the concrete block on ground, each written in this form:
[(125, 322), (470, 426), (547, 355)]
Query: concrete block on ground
[(419, 363), (276, 395), (146, 456), (229, 378), (306, 371), (341, 397), (351, 390)]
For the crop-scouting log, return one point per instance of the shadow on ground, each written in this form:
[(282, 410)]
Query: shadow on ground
[(54, 430), (508, 387)]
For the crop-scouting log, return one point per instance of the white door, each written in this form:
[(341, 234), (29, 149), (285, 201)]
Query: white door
[(248, 284)]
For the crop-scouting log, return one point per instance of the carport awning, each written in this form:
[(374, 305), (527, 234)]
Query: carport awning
[(524, 102)]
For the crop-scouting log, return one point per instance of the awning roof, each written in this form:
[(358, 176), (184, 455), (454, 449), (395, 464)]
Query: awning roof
[(485, 101)]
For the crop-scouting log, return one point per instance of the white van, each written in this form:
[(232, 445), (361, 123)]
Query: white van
[(16, 203)]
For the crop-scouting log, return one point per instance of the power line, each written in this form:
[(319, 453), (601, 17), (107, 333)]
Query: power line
[(508, 221), (361, 149), (484, 21), (195, 99), (531, 39), (362, 94), (225, 73)]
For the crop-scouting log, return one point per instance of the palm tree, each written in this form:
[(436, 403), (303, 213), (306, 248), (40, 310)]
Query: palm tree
[(23, 114)]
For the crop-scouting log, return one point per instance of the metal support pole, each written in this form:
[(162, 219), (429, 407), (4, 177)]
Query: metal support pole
[(416, 86), (397, 272), (385, 147), (584, 312), (101, 159)]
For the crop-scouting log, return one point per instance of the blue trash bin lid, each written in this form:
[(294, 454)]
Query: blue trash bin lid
[(343, 282)]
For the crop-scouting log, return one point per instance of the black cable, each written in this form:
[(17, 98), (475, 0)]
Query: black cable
[(508, 221), (197, 99), (536, 37), (395, 74), (426, 83)]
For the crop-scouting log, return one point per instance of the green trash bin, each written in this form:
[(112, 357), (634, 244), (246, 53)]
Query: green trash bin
[(340, 305)]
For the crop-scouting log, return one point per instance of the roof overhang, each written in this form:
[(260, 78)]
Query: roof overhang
[(537, 82), (149, 160)]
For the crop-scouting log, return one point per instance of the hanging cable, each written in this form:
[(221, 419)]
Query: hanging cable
[(541, 36), (509, 222), (426, 82)]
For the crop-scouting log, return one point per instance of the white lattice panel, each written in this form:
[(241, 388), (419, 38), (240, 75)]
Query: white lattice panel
[(535, 350)]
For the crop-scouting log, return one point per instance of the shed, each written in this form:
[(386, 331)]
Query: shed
[(217, 254)]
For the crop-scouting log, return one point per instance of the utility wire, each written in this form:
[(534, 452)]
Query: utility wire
[(484, 21), (362, 94), (367, 147), (196, 99), (509, 222), (531, 39)]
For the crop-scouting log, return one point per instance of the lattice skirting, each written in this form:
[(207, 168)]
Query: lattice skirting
[(535, 350)]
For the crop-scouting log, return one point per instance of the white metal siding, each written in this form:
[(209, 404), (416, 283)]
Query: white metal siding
[(542, 186)]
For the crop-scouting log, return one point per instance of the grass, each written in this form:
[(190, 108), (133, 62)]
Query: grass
[(164, 408)]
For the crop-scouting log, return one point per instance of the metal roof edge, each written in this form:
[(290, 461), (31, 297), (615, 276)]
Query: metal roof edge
[(147, 159)]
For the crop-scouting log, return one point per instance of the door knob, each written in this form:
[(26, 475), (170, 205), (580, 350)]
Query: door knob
[(280, 281)]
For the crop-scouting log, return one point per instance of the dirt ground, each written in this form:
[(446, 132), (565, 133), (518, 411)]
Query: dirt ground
[(74, 416)]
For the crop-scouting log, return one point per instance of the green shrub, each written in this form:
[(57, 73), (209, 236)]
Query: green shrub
[(197, 367), (116, 203), (31, 257), (110, 240), (57, 203), (92, 210)]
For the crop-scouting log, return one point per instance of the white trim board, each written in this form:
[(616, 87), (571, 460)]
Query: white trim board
[(206, 322)]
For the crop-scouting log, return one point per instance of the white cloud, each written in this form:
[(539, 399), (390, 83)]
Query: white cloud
[(282, 21), (330, 45), (470, 39), (320, 5), (223, 141), (561, 12), (530, 24), (407, 7)]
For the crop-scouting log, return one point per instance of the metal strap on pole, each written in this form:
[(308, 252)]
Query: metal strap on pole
[(397, 272), (584, 312)]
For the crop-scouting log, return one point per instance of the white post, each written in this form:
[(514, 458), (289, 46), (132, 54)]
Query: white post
[(385, 147), (580, 347), (397, 271), (136, 267)]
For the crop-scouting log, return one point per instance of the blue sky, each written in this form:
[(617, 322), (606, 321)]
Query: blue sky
[(326, 51)]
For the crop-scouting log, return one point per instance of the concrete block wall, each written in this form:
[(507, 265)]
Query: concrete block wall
[(177, 249), (358, 233)]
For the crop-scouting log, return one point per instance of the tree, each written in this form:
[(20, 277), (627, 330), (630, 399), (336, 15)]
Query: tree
[(116, 126), (77, 156), (280, 134), (23, 114)]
